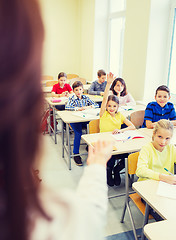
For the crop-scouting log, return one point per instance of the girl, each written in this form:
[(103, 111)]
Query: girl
[(111, 121), (158, 154), (118, 88)]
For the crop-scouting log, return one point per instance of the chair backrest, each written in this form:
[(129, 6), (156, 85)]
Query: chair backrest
[(83, 80), (51, 83), (70, 76), (137, 118), (132, 162), (47, 77), (94, 126)]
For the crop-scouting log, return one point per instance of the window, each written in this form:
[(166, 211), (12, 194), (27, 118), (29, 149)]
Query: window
[(172, 54), (116, 35)]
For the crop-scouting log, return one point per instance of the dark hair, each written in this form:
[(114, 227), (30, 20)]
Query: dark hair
[(124, 92), (62, 74), (101, 72), (113, 98), (77, 84), (21, 40), (163, 88)]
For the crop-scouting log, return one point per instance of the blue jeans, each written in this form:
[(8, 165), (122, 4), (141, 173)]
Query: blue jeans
[(77, 128)]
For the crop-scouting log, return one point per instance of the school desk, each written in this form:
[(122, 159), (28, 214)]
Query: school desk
[(70, 117), (120, 147), (160, 230), (165, 207)]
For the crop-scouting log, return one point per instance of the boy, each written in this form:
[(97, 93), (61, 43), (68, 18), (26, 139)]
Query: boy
[(61, 89), (98, 86), (79, 102), (161, 109)]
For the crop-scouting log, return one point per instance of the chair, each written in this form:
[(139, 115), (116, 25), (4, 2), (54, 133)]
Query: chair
[(131, 166), (137, 118), (94, 126), (83, 80), (70, 76), (51, 83), (47, 77)]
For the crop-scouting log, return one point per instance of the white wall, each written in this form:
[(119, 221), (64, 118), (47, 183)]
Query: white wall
[(100, 58), (135, 46), (62, 36), (157, 47)]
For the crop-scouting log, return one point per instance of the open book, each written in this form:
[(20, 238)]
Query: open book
[(127, 135), (88, 113)]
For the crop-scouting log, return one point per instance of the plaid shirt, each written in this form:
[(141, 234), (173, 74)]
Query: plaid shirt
[(74, 103)]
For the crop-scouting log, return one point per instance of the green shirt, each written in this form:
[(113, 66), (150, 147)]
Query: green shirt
[(152, 162)]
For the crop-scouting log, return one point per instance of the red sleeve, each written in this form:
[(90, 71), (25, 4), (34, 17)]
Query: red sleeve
[(69, 88), (54, 88)]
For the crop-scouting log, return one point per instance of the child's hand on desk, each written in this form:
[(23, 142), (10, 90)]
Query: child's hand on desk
[(168, 179), (81, 108), (117, 131), (101, 152), (63, 94)]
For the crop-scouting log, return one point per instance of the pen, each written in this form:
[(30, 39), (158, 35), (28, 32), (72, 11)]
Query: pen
[(127, 139), (168, 171)]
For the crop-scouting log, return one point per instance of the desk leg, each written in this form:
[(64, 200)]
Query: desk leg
[(69, 147), (49, 120), (54, 120), (145, 220), (62, 132)]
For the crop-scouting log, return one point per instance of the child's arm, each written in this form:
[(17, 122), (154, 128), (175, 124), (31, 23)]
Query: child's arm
[(150, 124), (129, 124), (64, 94), (110, 79), (167, 178)]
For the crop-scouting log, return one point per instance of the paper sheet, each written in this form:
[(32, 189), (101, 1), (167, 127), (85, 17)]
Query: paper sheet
[(166, 190), (89, 113), (127, 135)]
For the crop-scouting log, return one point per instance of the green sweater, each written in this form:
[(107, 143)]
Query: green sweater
[(151, 162)]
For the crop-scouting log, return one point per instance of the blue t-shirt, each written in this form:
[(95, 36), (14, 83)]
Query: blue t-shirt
[(154, 112)]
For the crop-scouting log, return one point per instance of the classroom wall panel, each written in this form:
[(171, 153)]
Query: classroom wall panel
[(135, 46), (62, 36)]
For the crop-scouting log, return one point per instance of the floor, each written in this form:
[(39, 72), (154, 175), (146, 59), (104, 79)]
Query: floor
[(55, 174)]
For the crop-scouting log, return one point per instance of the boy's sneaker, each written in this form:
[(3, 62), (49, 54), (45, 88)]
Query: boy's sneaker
[(78, 160)]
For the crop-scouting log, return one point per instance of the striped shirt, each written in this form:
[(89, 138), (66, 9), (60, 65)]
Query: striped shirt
[(154, 112), (74, 102)]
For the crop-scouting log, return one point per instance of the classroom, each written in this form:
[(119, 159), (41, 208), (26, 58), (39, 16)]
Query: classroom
[(88, 125)]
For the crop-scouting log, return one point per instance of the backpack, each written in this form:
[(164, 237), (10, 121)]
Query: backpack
[(45, 121)]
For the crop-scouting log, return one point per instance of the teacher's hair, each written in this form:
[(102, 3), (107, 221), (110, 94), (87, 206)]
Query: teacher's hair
[(21, 40)]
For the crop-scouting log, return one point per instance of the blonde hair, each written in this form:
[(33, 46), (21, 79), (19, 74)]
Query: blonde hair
[(163, 123)]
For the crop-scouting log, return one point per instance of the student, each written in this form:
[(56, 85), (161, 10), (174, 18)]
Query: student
[(61, 89), (161, 109), (27, 211), (119, 89), (158, 154), (111, 121), (98, 86), (79, 102)]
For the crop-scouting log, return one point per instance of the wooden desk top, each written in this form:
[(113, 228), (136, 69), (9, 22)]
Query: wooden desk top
[(160, 230), (165, 207), (132, 145)]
